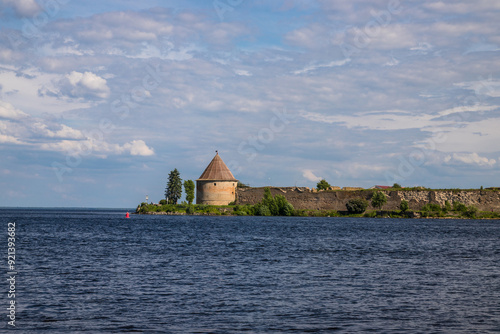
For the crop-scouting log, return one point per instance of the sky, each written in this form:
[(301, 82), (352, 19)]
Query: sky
[(100, 100)]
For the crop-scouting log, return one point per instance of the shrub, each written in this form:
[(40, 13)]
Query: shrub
[(404, 206), (447, 207), (262, 210), (379, 199), (356, 206), (490, 215), (371, 214), (396, 186), (459, 207), (270, 202), (431, 207), (190, 209), (284, 207), (323, 185), (471, 212), (162, 202), (240, 213)]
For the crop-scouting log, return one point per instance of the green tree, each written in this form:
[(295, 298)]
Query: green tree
[(189, 189), (284, 207), (471, 212), (459, 207), (447, 207), (404, 206), (173, 191), (357, 205), (379, 199), (396, 186), (323, 185), (270, 202)]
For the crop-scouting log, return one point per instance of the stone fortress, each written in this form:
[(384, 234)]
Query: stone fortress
[(311, 199), (216, 185)]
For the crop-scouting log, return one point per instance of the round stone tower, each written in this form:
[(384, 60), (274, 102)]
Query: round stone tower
[(217, 185)]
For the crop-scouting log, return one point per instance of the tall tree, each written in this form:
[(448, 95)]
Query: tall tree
[(173, 192), (189, 189), (379, 199)]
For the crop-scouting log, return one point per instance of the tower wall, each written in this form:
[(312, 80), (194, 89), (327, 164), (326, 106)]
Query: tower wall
[(215, 192)]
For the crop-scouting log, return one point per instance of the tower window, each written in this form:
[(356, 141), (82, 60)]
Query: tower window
[(215, 184)]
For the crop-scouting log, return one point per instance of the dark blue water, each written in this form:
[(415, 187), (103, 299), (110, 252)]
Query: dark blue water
[(97, 272)]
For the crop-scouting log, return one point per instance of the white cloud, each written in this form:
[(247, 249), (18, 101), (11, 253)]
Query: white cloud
[(47, 135), (471, 159), (334, 63), (309, 175), (59, 131), (465, 108), (138, 147), (25, 91), (460, 7), (311, 37), (380, 120), (8, 111), (482, 137), (89, 146), (487, 87), (6, 139), (77, 84), (243, 73), (23, 7)]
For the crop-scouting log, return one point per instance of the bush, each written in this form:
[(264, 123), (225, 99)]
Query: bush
[(262, 210), (459, 207), (379, 199), (284, 207), (495, 215), (396, 186), (190, 209), (270, 202), (240, 213), (371, 214), (356, 206), (404, 206), (471, 212), (431, 207), (162, 202), (277, 205), (447, 207), (323, 185)]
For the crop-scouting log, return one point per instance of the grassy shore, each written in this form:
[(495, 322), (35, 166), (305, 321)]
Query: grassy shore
[(250, 210)]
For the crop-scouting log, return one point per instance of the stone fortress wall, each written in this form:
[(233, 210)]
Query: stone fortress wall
[(305, 198)]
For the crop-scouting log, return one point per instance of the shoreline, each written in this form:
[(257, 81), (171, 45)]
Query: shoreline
[(162, 213)]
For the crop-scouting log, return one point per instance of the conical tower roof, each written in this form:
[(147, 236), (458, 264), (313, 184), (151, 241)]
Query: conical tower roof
[(217, 170)]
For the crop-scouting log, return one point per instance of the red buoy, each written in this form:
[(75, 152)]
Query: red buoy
[(127, 215)]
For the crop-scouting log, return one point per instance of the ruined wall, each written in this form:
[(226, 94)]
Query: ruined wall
[(303, 198)]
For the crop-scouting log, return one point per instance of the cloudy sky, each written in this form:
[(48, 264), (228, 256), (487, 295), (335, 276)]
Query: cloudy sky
[(99, 100)]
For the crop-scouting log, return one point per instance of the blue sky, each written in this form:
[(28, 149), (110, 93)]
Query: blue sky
[(99, 100)]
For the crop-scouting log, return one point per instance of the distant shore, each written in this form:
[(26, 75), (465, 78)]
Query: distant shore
[(245, 210)]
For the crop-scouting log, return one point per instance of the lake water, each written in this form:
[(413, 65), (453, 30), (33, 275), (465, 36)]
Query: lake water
[(93, 271)]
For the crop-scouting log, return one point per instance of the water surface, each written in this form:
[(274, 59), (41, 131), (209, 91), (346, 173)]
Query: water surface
[(93, 271)]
